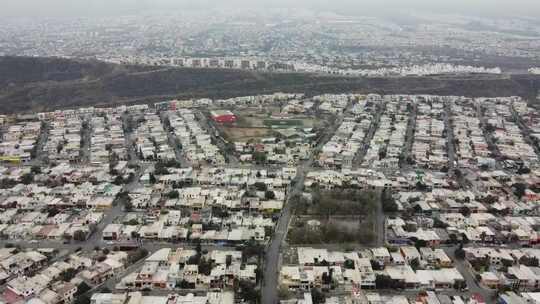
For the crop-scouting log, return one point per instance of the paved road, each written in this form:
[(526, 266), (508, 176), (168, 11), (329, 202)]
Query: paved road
[(173, 141), (86, 140), (210, 127), (409, 137), (41, 156), (359, 157), (129, 140), (449, 136), (269, 293), (473, 286), (525, 131), (488, 136)]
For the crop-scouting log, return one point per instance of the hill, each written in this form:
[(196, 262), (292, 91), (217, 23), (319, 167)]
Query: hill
[(43, 84)]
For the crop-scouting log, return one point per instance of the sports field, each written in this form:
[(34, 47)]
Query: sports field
[(283, 123)]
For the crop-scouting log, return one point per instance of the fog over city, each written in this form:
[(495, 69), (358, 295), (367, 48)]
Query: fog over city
[(358, 7), (269, 151)]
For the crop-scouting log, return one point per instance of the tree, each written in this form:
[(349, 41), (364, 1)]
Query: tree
[(131, 178), (205, 266), (259, 186), (453, 238), (68, 274), (383, 282), (349, 264), (415, 264), (82, 299), (173, 194), (79, 236), (483, 236), (317, 296), (152, 178), (460, 253), (36, 169), (118, 180), (128, 205), (523, 170), (27, 178), (519, 189), (420, 243), (389, 204), (460, 285), (105, 290), (507, 263), (421, 186), (161, 169), (530, 261), (327, 277), (198, 248), (269, 195), (82, 288), (133, 222), (437, 223), (137, 255), (247, 291), (252, 249), (259, 157), (466, 211)]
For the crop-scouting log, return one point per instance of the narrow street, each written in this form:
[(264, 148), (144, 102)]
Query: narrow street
[(450, 147), (173, 141), (86, 138), (463, 268), (525, 131), (488, 137), (209, 126), (41, 157), (409, 138), (359, 157), (269, 293)]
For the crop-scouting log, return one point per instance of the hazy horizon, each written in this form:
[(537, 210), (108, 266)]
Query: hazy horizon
[(57, 8)]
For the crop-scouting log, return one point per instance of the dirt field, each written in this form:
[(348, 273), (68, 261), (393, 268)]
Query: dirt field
[(254, 124), (233, 134)]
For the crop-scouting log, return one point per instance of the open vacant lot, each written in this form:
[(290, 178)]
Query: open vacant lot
[(335, 217), (256, 124), (245, 134)]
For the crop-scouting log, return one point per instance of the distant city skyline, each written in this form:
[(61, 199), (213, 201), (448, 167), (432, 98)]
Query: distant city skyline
[(53, 8)]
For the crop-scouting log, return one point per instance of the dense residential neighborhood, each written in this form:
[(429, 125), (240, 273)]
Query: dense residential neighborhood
[(336, 198)]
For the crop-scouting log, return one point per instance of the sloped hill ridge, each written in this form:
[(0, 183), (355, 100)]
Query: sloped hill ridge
[(43, 84)]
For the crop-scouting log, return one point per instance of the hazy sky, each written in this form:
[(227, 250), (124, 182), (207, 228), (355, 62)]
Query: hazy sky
[(16, 8)]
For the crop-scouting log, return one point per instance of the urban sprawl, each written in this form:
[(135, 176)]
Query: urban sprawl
[(273, 198)]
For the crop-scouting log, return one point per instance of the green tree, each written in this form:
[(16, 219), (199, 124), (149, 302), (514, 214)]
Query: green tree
[(79, 236), (173, 194), (259, 157), (389, 204), (137, 255), (68, 274), (269, 195), (27, 178), (459, 253), (259, 186), (317, 296), (36, 169), (519, 189)]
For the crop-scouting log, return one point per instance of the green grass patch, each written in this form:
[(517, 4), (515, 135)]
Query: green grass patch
[(280, 123)]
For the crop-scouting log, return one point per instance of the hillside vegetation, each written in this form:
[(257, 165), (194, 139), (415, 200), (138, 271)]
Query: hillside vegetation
[(43, 84)]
